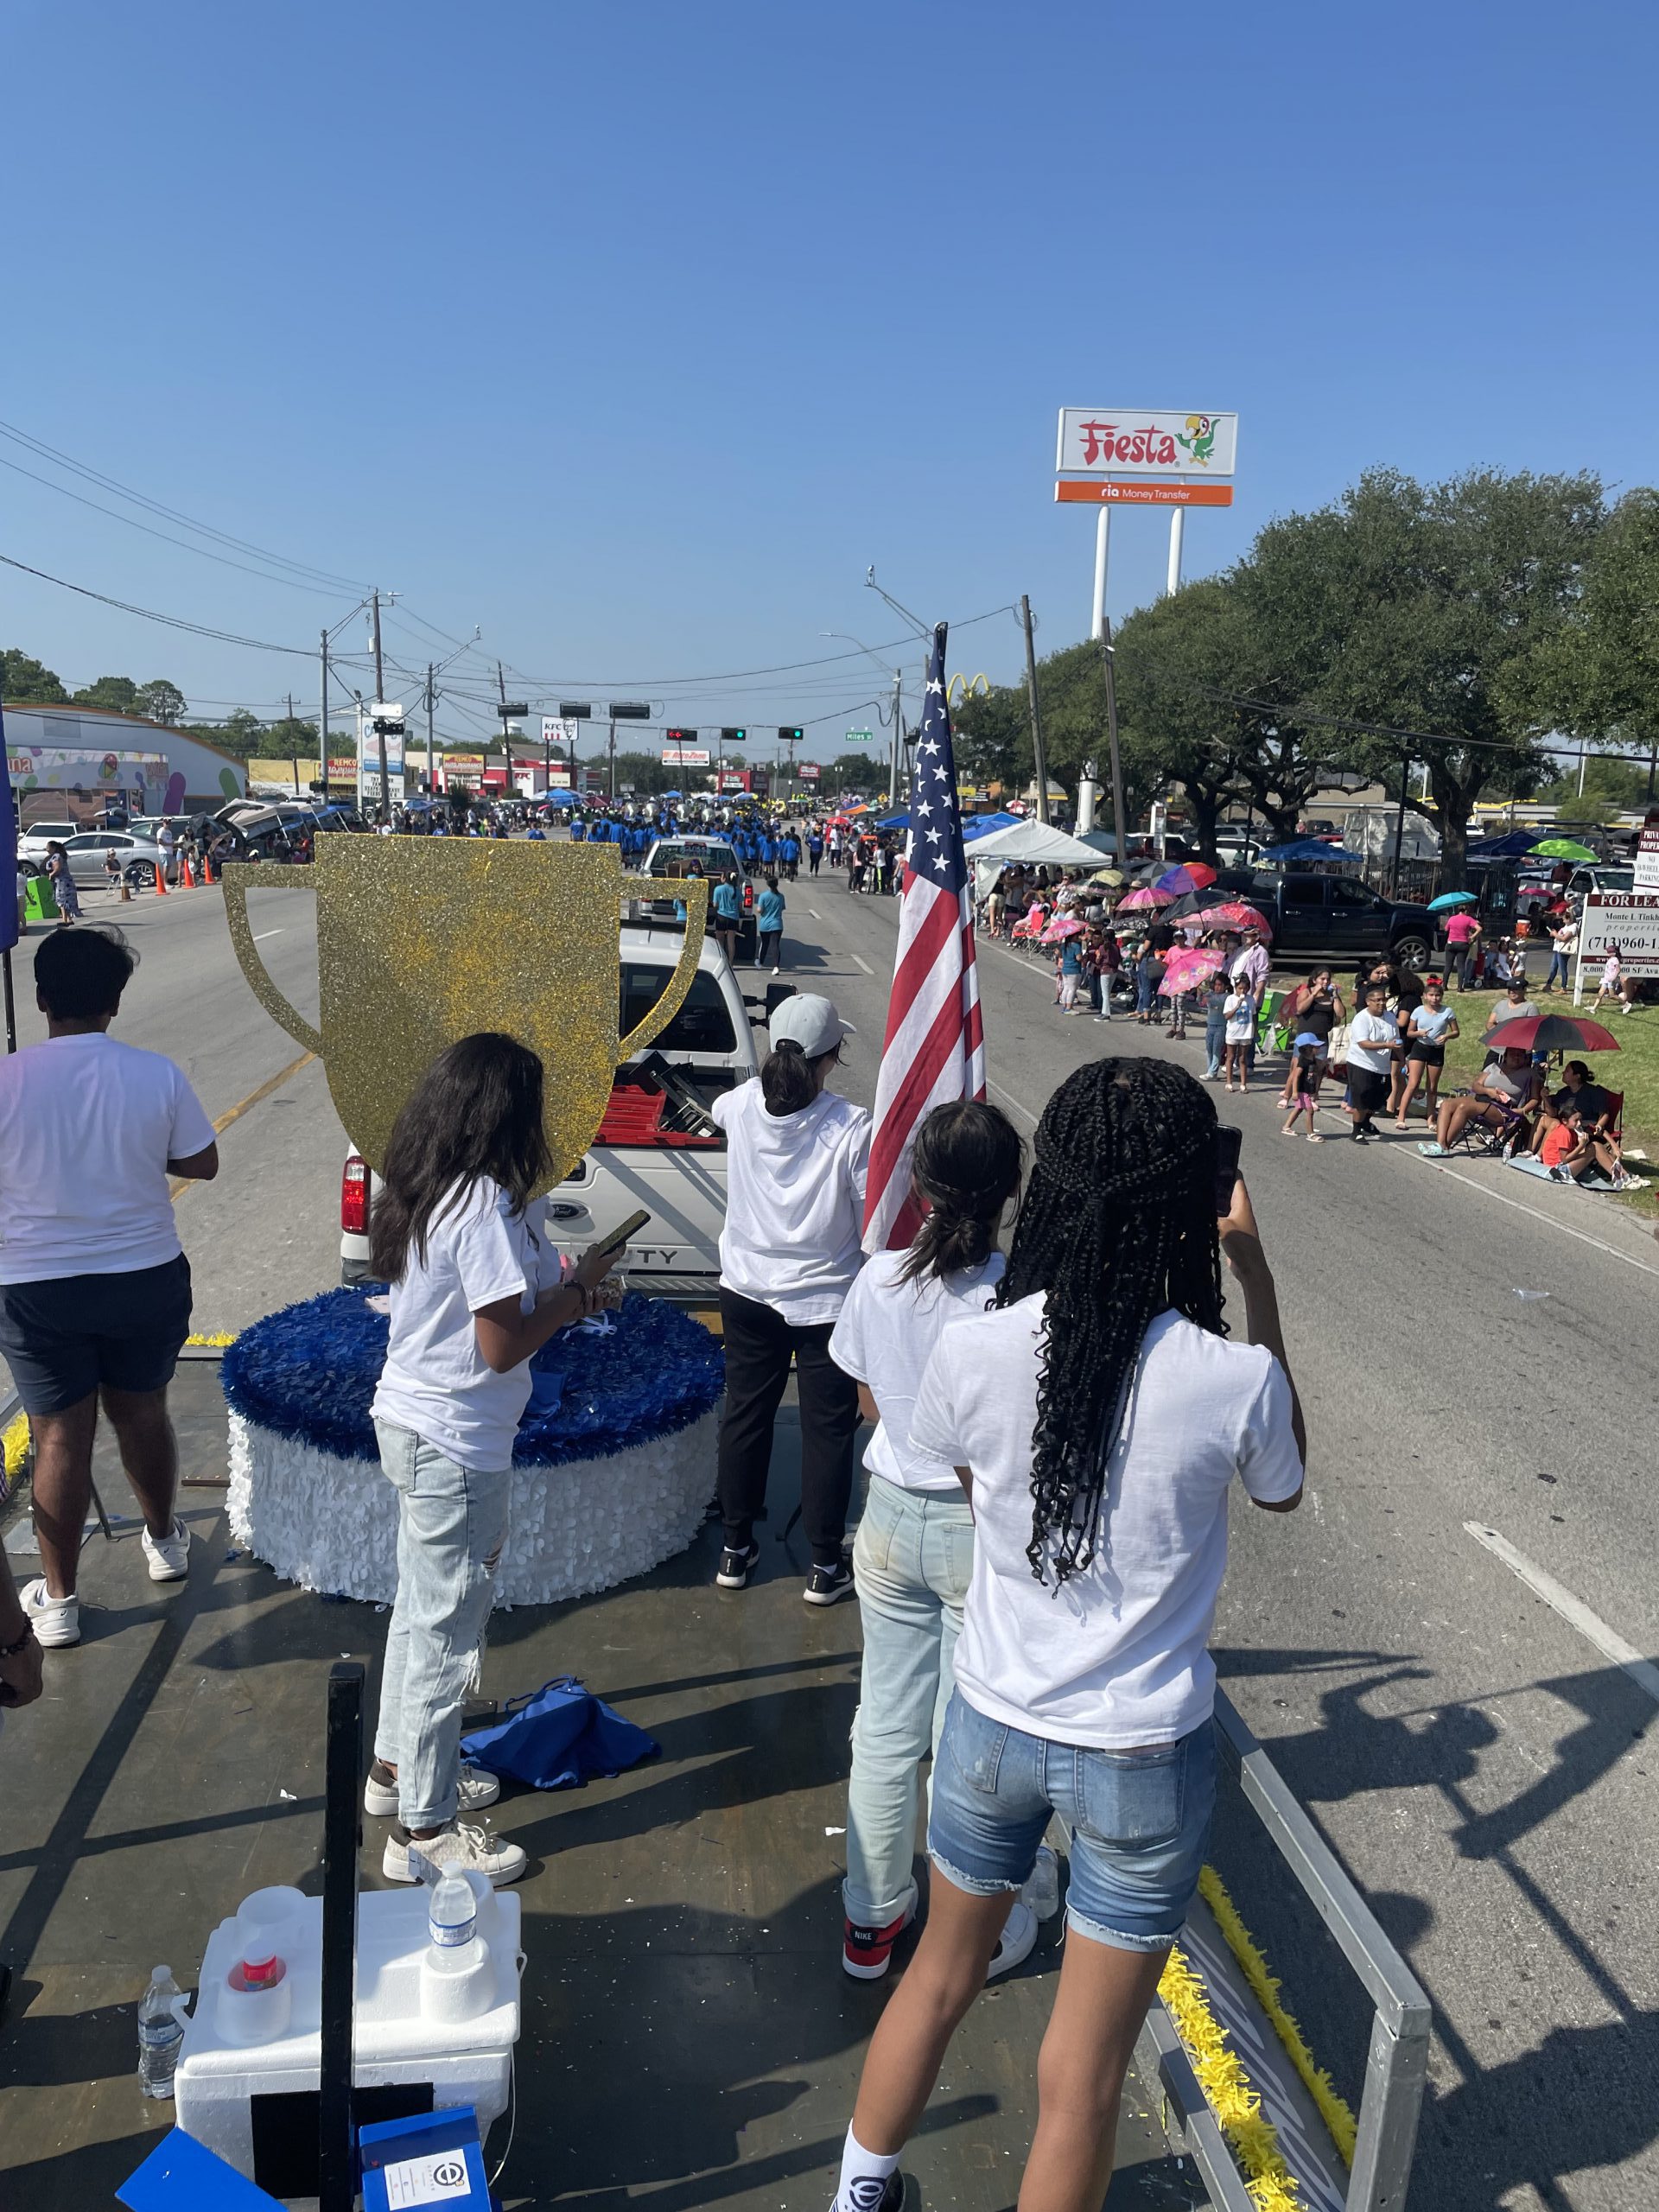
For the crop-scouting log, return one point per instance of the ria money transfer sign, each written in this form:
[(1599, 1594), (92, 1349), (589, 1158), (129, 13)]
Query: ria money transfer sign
[(1139, 441)]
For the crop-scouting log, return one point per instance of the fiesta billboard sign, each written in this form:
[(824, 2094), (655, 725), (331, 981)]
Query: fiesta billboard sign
[(1141, 441)]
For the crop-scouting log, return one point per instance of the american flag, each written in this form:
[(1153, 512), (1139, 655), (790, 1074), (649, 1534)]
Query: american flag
[(935, 1048)]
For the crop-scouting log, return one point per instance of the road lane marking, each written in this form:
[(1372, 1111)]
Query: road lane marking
[(815, 915), (1008, 1099), (261, 935), (1549, 1221), (181, 1182), (1572, 1609), (864, 964)]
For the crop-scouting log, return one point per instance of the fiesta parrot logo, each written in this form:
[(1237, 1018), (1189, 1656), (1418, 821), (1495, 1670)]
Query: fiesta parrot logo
[(1200, 440)]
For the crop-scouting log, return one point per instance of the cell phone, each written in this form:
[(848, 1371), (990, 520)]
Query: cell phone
[(1229, 1144), (624, 1230)]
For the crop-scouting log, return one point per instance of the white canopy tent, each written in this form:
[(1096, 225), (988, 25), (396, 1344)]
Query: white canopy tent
[(1035, 843)]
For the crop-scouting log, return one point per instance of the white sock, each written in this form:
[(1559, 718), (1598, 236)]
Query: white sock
[(863, 2177)]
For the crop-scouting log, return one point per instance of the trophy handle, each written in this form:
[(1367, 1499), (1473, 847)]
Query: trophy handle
[(274, 876), (673, 997)]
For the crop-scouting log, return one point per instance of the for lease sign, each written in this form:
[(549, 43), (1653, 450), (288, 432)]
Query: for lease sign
[(1627, 920), (1141, 441)]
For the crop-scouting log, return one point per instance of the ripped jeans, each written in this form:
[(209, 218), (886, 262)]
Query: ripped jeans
[(452, 1523)]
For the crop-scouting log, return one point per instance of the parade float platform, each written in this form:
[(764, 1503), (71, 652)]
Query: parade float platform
[(613, 1470)]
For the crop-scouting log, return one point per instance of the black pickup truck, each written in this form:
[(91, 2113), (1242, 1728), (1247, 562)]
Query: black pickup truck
[(1333, 917)]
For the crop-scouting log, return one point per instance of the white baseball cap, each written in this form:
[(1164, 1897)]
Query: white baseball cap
[(805, 1020)]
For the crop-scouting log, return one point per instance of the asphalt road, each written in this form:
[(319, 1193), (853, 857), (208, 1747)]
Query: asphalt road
[(1484, 1771)]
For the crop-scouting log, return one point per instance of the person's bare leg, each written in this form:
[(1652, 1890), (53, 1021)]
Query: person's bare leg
[(925, 2011), (1103, 2000), (149, 1452), (62, 1490), (1411, 1081)]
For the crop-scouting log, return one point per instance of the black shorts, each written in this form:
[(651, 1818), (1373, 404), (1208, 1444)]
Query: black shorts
[(62, 1339), (1366, 1091), (1432, 1056)]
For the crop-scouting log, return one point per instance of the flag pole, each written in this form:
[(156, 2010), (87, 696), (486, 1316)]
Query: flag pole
[(11, 1008)]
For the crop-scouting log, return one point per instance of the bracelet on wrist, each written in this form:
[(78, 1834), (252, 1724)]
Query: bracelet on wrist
[(11, 1650)]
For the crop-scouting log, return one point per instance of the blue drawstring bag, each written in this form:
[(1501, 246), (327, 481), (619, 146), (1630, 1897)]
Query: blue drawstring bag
[(559, 1737)]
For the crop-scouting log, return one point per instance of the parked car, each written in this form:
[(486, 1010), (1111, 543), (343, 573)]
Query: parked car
[(1336, 918), (32, 843), (653, 1149), (139, 858)]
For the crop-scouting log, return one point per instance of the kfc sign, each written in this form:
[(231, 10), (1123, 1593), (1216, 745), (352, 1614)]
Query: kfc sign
[(1120, 441)]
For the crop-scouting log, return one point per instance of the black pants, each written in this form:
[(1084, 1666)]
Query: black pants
[(760, 1345)]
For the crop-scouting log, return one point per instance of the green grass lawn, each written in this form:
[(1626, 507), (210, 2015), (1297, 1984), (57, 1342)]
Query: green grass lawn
[(1633, 1069)]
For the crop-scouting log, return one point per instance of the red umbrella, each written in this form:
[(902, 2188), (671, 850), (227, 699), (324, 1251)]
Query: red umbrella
[(1236, 915), (1191, 876), (1554, 1032)]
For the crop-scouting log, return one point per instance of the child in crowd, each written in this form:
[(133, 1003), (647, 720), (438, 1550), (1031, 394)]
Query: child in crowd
[(1304, 1086), (1239, 1010), (1215, 1026), (1612, 972)]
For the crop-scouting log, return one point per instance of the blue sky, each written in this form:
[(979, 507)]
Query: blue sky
[(634, 334)]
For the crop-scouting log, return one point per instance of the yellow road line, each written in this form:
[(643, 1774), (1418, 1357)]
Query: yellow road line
[(235, 1113)]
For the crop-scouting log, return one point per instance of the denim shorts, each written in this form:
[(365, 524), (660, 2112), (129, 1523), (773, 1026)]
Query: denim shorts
[(64, 1336), (1139, 1822)]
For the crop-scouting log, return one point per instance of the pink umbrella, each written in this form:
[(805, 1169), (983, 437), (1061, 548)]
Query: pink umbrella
[(1236, 915), (1062, 927), (1146, 896), (1189, 970)]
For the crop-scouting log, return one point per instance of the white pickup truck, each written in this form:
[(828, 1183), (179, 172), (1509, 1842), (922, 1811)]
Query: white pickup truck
[(652, 1149)]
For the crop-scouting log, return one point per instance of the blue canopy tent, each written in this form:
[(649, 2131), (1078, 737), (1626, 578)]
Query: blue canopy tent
[(893, 822), (557, 795), (1308, 848), (1514, 845), (985, 825)]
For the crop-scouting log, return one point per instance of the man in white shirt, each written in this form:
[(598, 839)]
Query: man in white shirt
[(1248, 970), (1373, 1040), (94, 1289)]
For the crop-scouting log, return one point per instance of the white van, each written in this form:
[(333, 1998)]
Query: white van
[(652, 1150)]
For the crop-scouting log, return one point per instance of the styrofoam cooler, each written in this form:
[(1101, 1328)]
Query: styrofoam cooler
[(242, 2045)]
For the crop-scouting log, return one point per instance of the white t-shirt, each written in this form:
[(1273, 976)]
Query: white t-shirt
[(87, 1127), (885, 1338), (794, 1202), (1118, 1656), (1369, 1036), (435, 1379)]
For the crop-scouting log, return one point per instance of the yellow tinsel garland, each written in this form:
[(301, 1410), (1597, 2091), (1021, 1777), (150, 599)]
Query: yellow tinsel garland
[(1250, 2135)]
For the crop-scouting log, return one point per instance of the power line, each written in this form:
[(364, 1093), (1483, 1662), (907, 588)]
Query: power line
[(149, 613)]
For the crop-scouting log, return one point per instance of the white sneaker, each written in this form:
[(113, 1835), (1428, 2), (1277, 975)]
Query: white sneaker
[(461, 1846), (167, 1557), (1017, 1942), (56, 1621), (477, 1790)]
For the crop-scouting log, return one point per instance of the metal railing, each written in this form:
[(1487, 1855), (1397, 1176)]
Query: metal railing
[(1397, 2061)]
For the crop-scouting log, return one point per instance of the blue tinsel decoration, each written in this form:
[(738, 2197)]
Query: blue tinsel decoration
[(308, 1372)]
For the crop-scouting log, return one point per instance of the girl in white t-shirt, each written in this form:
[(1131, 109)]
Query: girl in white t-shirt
[(1098, 1418), (476, 1288), (1612, 970), (1239, 1008), (915, 1545)]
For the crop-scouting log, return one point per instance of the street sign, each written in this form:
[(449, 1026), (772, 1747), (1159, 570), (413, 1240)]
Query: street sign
[(1140, 441), (861, 736), (1095, 492), (1647, 854)]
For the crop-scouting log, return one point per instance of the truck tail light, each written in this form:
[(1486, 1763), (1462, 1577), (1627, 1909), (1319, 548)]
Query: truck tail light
[(748, 897), (355, 1197)]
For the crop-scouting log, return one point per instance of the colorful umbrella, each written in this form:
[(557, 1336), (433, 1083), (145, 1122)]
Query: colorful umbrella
[(1191, 875), (1554, 1032), (1189, 970), (1562, 849), (1062, 927), (1236, 915), (1109, 879), (1447, 899), (1144, 896)]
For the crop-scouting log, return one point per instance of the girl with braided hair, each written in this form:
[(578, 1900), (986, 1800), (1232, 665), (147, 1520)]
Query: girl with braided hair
[(915, 1545), (1096, 1417)]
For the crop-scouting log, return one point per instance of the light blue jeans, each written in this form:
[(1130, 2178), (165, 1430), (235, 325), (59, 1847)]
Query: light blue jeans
[(912, 1561), (452, 1523)]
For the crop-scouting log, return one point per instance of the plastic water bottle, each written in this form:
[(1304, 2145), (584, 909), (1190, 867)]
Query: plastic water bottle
[(160, 2033), (452, 1914)]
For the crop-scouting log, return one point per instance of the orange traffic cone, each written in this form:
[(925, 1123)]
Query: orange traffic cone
[(161, 878), (186, 881)]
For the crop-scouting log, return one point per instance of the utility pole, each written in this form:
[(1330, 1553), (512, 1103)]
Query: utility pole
[(895, 752), (1039, 759), (322, 725), (379, 719), (1119, 826), (613, 761), (431, 703)]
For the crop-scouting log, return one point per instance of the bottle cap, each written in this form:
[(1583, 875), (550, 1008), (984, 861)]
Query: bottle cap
[(258, 1973)]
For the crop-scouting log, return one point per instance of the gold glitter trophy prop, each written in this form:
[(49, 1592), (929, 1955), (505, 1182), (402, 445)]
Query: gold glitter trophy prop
[(421, 941)]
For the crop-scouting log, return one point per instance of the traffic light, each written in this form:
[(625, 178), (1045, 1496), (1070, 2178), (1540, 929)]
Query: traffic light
[(734, 737), (679, 737), (789, 736)]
